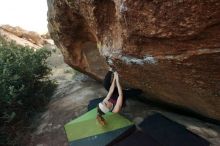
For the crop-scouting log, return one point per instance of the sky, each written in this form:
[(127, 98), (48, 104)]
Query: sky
[(28, 14)]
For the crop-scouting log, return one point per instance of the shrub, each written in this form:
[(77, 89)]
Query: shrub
[(25, 87)]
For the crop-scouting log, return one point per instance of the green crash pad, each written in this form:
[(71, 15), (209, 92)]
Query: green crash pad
[(85, 130)]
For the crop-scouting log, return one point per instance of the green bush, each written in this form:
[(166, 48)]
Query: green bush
[(25, 87)]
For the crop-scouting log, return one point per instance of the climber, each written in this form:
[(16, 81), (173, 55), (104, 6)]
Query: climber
[(115, 98)]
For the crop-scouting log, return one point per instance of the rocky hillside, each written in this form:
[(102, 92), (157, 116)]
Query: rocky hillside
[(170, 49), (24, 37)]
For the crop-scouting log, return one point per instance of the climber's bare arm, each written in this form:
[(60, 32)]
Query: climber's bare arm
[(119, 102)]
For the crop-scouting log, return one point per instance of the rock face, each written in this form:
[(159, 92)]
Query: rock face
[(23, 37), (170, 49)]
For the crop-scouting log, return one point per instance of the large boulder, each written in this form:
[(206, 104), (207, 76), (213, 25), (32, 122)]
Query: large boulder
[(23, 37), (170, 49)]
